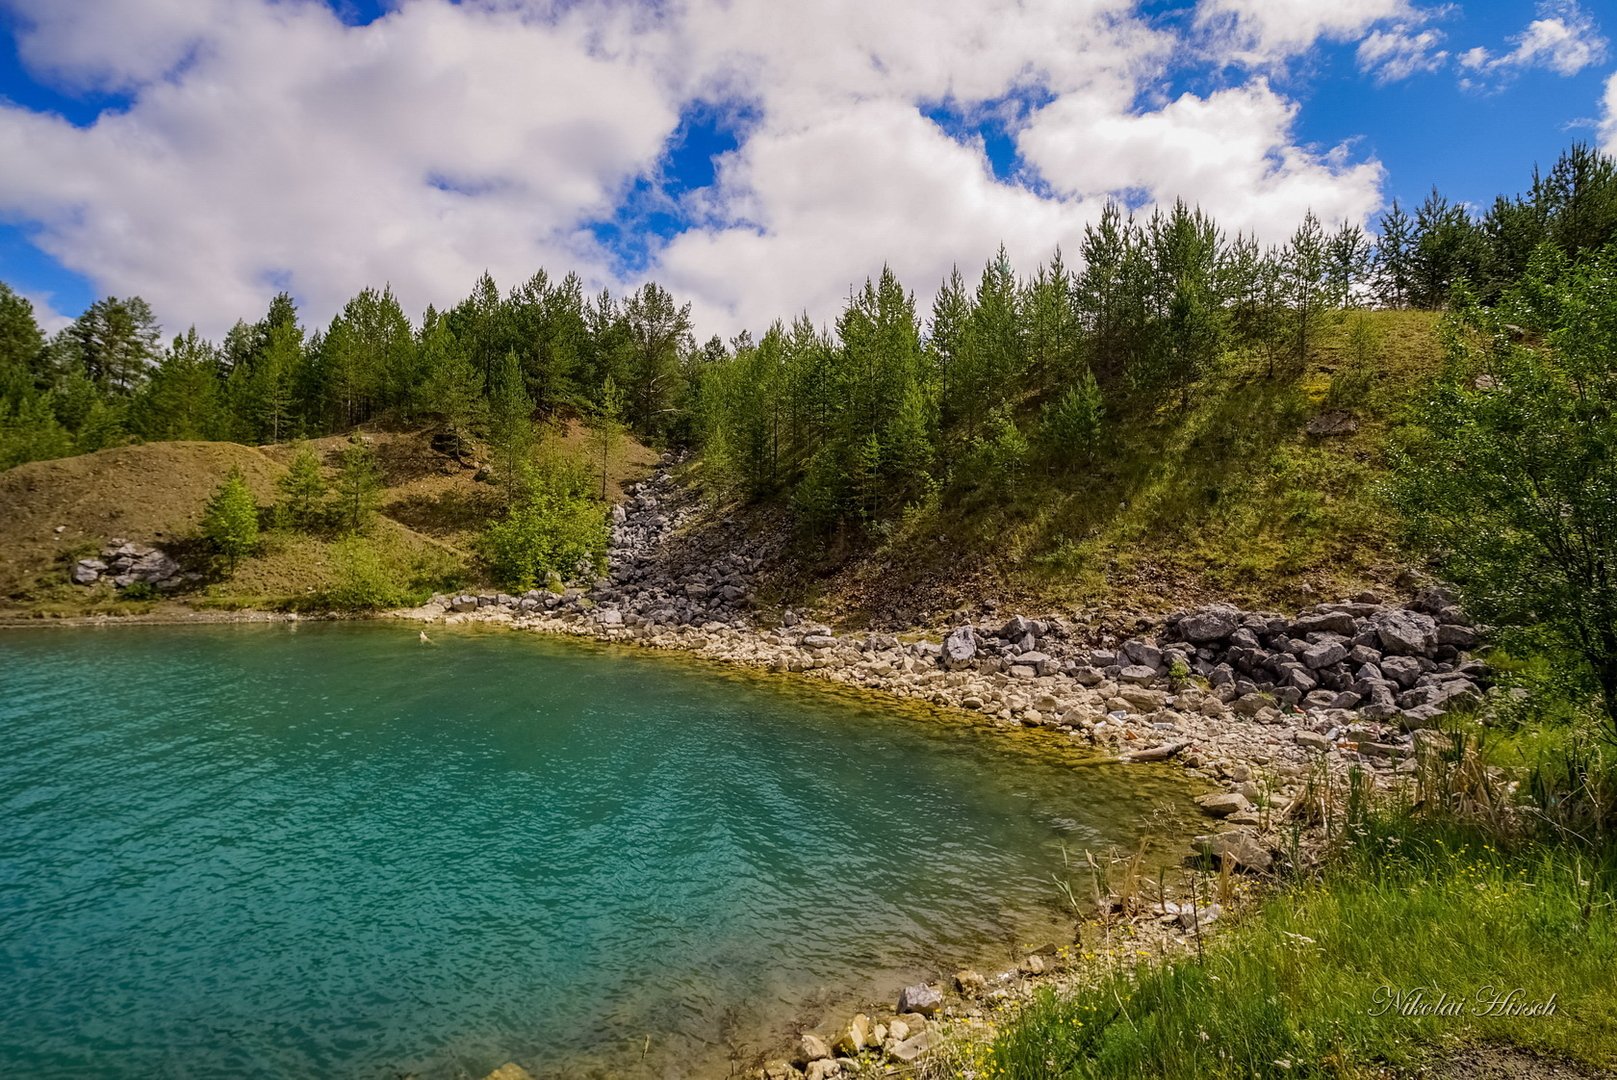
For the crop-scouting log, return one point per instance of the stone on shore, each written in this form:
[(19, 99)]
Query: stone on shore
[(959, 648), (920, 998)]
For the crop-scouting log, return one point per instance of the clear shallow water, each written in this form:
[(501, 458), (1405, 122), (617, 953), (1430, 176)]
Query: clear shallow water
[(329, 850)]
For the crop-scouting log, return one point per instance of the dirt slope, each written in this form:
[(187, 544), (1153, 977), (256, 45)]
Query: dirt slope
[(153, 493)]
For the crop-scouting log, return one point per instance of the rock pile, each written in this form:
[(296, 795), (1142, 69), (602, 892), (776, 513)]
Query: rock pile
[(1385, 663), (642, 587), (125, 563)]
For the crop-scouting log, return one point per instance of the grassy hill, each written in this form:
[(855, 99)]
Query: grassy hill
[(1230, 498), (62, 510)]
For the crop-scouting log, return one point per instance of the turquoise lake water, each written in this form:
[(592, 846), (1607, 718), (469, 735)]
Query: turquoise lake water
[(329, 850)]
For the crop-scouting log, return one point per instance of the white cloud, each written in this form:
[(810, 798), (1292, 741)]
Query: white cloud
[(268, 143), (1263, 31), (45, 314), (1401, 51), (1232, 152), (1564, 39), (1608, 118), (295, 146)]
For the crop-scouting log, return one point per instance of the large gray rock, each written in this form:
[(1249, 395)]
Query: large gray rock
[(1138, 674), (88, 571), (1143, 652), (1209, 624), (1461, 637), (914, 1046), (1406, 633), (1018, 628), (960, 647), (152, 567), (919, 998), (1236, 849), (1224, 803), (1330, 622), (1403, 670), (1324, 654)]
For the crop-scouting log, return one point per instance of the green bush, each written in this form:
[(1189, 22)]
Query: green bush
[(303, 490), (364, 581), (553, 526), (230, 522)]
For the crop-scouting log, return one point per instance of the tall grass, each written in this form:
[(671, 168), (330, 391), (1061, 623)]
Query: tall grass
[(1431, 901)]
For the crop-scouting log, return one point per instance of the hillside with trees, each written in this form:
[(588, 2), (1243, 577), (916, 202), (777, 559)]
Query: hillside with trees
[(1174, 411)]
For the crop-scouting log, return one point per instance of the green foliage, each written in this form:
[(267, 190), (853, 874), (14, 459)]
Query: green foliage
[(511, 431), (451, 388), (556, 526), (303, 490), (183, 397), (359, 486), (998, 455), (1300, 988), (364, 581), (1509, 475), (230, 520), (1070, 431), (29, 431), (606, 427)]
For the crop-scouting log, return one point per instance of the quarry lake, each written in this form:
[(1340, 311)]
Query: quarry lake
[(328, 849)]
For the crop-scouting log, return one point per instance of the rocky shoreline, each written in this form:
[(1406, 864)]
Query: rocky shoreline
[(1244, 698), (1264, 705)]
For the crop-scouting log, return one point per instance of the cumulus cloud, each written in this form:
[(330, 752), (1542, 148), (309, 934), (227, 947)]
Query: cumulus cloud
[(1232, 152), (266, 144), (1564, 39), (1401, 51), (1271, 30), (1608, 119)]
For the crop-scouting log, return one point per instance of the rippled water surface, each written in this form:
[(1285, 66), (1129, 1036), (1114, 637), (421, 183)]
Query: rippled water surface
[(329, 850)]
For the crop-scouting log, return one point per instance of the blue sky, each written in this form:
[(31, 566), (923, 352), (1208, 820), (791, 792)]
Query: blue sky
[(715, 150)]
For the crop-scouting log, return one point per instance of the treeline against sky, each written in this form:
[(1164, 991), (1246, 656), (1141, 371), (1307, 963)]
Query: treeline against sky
[(850, 423)]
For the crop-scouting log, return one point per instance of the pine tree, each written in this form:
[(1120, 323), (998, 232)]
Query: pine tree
[(606, 426), (451, 388), (22, 344), (1394, 272), (117, 342), (1071, 429), (659, 333), (1305, 280), (183, 398), (511, 433), (230, 521), (359, 486), (303, 489)]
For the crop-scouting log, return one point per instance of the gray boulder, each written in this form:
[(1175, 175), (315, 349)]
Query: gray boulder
[(959, 648), (1331, 622), (919, 998), (1143, 652), (1018, 628), (88, 571), (1209, 624), (1406, 633), (1403, 670), (1324, 654)]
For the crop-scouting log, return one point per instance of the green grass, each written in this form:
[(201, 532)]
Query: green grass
[(1229, 497), (1292, 990)]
